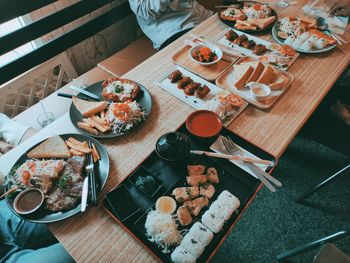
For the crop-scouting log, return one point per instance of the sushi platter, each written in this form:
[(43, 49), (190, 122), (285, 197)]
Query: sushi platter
[(203, 218)]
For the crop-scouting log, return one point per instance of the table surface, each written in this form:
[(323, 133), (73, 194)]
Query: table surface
[(94, 236)]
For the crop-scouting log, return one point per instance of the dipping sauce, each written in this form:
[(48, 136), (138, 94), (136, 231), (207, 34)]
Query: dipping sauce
[(28, 201), (260, 91), (204, 123), (166, 205)]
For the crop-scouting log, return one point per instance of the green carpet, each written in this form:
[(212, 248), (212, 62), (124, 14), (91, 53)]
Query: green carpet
[(274, 223)]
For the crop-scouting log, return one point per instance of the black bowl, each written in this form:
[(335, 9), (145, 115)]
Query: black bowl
[(173, 146)]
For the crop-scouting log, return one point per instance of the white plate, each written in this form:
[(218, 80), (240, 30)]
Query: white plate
[(196, 103)]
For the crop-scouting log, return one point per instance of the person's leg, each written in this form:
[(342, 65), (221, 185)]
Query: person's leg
[(173, 38), (53, 254)]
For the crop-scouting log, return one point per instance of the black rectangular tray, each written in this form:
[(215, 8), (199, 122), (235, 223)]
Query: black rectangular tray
[(232, 178)]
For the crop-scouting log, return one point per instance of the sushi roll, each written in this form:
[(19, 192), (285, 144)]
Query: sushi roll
[(192, 245), (212, 221), (304, 35), (222, 210), (298, 43), (309, 43), (321, 43), (228, 199), (181, 255), (289, 41), (199, 232)]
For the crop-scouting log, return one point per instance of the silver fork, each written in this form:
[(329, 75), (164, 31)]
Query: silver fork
[(229, 146)]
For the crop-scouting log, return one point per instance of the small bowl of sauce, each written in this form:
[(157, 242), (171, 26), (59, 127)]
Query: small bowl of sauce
[(166, 205), (259, 91), (204, 124), (28, 201)]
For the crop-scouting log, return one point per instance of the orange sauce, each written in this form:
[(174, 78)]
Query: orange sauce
[(204, 124)]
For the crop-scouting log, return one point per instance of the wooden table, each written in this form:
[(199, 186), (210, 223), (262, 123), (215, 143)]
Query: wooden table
[(95, 237)]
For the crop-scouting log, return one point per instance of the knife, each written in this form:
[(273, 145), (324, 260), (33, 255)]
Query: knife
[(85, 92), (84, 194), (258, 172), (66, 95)]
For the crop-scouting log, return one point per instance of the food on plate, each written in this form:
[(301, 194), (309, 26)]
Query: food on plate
[(95, 154), (242, 74), (175, 76), (212, 221), (54, 147), (87, 108), (291, 26), (181, 255), (232, 14), (40, 174), (28, 201), (231, 35), (256, 10), (245, 25), (287, 50), (184, 82), (196, 180), (260, 49), (201, 91), (196, 205), (162, 229), (268, 75), (185, 193), (262, 23), (256, 72), (184, 216), (200, 233), (119, 90), (195, 169), (212, 175), (225, 105), (191, 88), (195, 247), (320, 35), (124, 116), (78, 148), (207, 190), (66, 193), (226, 198), (204, 54), (146, 183), (166, 205), (87, 127)]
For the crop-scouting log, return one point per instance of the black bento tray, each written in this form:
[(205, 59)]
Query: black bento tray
[(232, 178)]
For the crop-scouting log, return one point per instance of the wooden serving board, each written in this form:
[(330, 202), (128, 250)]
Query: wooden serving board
[(226, 81), (211, 72)]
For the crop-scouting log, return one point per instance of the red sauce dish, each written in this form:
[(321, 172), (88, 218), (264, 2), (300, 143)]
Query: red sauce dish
[(204, 124)]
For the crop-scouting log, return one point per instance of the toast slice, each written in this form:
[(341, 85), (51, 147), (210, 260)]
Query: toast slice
[(242, 73), (256, 73), (262, 23), (87, 108), (267, 76), (278, 83), (54, 147)]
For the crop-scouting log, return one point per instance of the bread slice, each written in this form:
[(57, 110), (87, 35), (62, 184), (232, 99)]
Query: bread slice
[(262, 22), (242, 73), (258, 69), (54, 147), (267, 76), (87, 108), (278, 83)]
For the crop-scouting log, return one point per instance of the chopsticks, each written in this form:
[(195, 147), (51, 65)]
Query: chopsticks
[(234, 158), (92, 178), (13, 189)]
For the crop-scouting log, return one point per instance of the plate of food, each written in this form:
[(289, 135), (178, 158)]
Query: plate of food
[(201, 94), (281, 56), (55, 167), (249, 16), (124, 105), (258, 83), (302, 34)]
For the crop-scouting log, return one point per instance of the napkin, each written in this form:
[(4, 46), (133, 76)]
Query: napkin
[(216, 147), (319, 8)]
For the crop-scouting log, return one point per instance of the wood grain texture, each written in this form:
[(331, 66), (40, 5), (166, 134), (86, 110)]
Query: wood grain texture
[(95, 237)]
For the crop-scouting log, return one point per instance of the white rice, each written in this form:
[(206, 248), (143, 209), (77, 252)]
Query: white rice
[(192, 245), (181, 255), (201, 233)]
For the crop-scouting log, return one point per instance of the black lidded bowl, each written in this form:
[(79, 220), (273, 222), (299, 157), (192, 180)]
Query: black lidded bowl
[(173, 147)]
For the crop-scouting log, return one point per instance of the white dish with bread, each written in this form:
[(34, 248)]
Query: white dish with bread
[(48, 178), (243, 76), (280, 56), (124, 105)]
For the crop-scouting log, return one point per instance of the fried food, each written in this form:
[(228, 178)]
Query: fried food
[(76, 153), (175, 76), (260, 49), (184, 82), (196, 180), (207, 190), (231, 35), (212, 175), (95, 153), (184, 216), (196, 205), (202, 91), (191, 88), (195, 169), (87, 127), (119, 90), (185, 193), (78, 147)]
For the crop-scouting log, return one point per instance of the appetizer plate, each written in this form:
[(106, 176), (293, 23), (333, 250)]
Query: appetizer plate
[(316, 51), (226, 81), (194, 102), (210, 73), (232, 23), (143, 98), (248, 52), (101, 169), (132, 216)]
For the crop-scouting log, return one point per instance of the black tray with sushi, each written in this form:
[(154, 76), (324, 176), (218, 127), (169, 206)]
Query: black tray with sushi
[(129, 205)]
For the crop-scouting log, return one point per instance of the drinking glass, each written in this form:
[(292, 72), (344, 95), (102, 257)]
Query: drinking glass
[(45, 119)]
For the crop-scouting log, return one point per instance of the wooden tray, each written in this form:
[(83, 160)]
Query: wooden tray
[(196, 103), (129, 206), (226, 80), (211, 72)]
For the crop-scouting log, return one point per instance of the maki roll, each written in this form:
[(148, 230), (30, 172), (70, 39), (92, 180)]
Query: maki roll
[(213, 221), (181, 255), (226, 198), (221, 209), (321, 43), (192, 245), (289, 41), (199, 232)]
